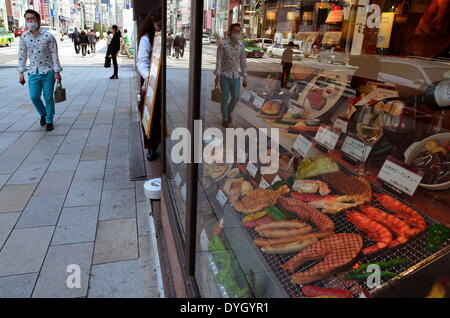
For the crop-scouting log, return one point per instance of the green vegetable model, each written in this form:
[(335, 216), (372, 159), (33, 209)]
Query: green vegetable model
[(391, 263), (276, 213), (364, 276), (437, 235), (314, 166)]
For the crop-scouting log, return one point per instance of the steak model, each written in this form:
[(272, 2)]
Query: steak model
[(357, 188), (335, 251)]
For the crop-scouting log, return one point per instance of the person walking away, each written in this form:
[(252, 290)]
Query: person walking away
[(182, 44), (286, 62), (113, 49), (76, 40), (84, 41), (97, 35), (126, 43), (177, 45), (230, 57), (92, 40), (146, 34), (169, 43), (41, 48)]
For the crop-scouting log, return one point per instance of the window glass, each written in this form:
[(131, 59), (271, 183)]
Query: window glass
[(360, 101)]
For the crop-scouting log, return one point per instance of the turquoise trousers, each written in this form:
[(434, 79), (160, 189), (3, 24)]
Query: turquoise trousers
[(229, 86), (38, 83)]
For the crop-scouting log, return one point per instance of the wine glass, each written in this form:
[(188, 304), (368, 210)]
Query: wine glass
[(369, 128)]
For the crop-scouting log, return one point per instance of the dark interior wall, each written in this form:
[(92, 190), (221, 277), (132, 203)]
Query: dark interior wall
[(143, 7)]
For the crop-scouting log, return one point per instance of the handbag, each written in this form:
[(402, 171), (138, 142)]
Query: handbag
[(216, 95), (60, 93), (108, 61), (89, 52)]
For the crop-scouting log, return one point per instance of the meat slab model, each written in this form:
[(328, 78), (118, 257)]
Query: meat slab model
[(335, 251)]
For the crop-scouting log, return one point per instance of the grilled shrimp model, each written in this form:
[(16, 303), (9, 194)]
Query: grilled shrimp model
[(374, 230), (404, 212)]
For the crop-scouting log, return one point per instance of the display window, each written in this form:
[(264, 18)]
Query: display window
[(322, 143)]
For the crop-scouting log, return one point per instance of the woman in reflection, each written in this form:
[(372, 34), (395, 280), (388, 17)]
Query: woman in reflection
[(230, 58), (146, 35)]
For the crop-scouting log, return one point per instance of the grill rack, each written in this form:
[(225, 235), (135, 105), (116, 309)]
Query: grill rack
[(413, 249)]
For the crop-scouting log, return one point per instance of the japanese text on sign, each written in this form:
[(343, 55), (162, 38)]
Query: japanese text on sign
[(399, 177), (258, 102), (355, 148), (221, 198), (302, 145), (252, 169), (327, 137)]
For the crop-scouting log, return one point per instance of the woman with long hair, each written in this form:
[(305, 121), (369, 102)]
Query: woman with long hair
[(149, 27), (113, 49)]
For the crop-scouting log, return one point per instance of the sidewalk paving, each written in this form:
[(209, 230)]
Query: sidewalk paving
[(65, 196)]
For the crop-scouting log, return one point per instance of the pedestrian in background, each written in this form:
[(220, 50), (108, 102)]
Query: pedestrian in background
[(126, 43), (230, 57), (84, 42), (182, 44), (76, 40), (108, 37), (146, 35), (92, 40), (177, 46), (97, 36), (286, 62), (169, 44), (114, 48), (44, 67)]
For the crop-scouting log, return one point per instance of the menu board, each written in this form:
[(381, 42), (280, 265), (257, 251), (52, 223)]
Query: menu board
[(152, 85)]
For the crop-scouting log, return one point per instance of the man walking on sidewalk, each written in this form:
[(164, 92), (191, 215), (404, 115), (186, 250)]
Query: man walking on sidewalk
[(286, 62), (42, 50), (76, 40)]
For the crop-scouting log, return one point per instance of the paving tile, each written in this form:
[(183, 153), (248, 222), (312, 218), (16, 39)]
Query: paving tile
[(94, 153), (18, 286), (90, 170), (28, 173), (62, 162), (3, 179), (9, 164), (76, 225), (116, 241), (84, 192), (83, 124), (54, 183), (140, 194), (148, 268), (143, 211), (25, 250), (7, 222), (117, 179), (117, 204), (13, 198), (41, 211), (115, 280), (60, 129), (53, 278)]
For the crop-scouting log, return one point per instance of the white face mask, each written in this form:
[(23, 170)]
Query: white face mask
[(235, 37), (32, 26)]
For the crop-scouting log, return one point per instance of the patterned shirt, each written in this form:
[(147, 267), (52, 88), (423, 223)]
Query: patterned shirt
[(42, 50), (229, 58)]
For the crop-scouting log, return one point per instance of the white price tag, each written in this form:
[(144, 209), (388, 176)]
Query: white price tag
[(258, 102), (327, 137), (204, 241), (294, 110), (178, 179), (341, 125), (264, 184), (276, 179), (355, 148), (246, 96), (252, 169), (221, 198), (183, 192), (302, 145), (399, 177)]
